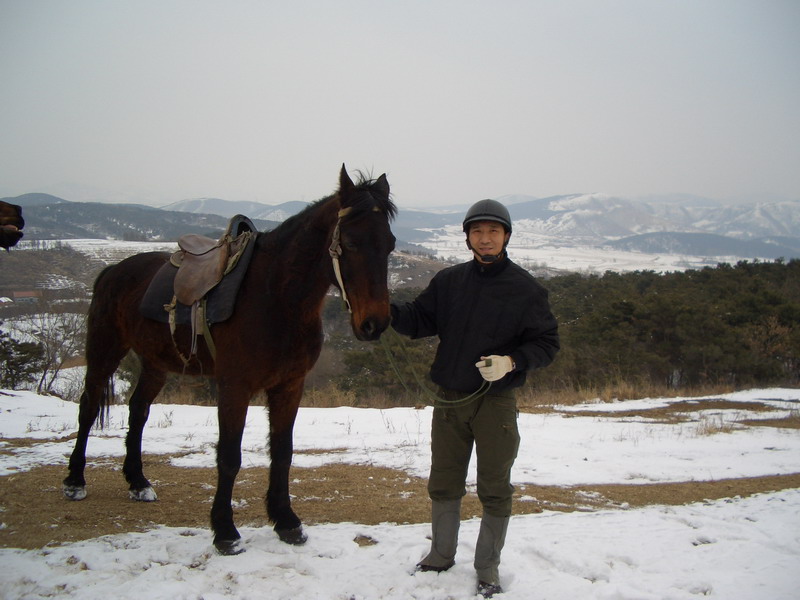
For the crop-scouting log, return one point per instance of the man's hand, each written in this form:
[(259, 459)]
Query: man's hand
[(494, 367)]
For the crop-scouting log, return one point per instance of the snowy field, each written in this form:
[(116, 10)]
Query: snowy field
[(535, 250), (530, 249), (736, 548), (107, 251)]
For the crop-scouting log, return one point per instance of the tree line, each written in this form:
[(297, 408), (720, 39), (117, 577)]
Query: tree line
[(730, 325)]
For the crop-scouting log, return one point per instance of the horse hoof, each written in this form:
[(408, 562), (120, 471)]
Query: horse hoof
[(74, 492), (229, 548), (147, 494), (295, 536)]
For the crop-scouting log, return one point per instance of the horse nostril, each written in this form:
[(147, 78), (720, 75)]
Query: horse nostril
[(369, 329)]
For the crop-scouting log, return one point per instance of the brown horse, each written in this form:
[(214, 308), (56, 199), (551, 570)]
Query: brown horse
[(270, 342), (11, 224)]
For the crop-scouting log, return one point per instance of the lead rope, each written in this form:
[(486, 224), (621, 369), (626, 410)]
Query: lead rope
[(431, 398)]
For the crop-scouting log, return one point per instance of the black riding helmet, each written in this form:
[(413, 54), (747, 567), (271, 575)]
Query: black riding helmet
[(488, 210)]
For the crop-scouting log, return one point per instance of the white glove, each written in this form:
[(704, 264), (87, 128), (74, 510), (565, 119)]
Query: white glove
[(494, 367)]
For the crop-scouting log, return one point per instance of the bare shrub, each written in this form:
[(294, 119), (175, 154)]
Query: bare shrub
[(328, 396)]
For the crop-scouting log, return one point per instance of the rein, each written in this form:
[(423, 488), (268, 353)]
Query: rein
[(431, 398)]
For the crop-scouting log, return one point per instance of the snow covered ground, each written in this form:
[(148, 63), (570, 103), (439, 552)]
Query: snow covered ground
[(107, 251), (529, 249), (533, 250), (737, 548)]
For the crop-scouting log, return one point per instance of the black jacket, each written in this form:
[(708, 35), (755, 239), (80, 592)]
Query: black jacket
[(479, 310)]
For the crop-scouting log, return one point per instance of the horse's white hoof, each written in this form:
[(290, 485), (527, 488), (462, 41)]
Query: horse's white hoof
[(230, 548), (147, 494), (74, 492)]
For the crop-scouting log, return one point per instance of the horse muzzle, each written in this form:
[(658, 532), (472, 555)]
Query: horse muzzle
[(370, 329)]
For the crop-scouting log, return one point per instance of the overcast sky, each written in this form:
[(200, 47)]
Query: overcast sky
[(159, 101)]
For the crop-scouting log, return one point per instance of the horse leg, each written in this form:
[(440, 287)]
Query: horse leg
[(74, 484), (232, 413), (150, 383), (96, 395), (283, 404)]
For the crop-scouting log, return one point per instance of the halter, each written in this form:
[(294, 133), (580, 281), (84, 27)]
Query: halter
[(335, 251)]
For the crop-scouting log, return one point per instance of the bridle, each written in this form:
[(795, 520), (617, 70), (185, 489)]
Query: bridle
[(335, 251)]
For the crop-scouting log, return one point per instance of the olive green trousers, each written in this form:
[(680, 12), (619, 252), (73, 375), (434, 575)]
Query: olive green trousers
[(490, 425)]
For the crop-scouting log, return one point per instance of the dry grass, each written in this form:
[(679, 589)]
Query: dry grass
[(329, 396), (537, 401), (340, 492), (528, 399), (330, 494), (791, 421), (714, 424)]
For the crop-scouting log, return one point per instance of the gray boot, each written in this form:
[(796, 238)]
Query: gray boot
[(445, 521), (491, 539)]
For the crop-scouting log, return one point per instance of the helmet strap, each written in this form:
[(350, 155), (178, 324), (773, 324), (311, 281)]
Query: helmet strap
[(489, 258)]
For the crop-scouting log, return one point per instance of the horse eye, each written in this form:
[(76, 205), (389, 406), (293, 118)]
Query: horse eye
[(349, 245)]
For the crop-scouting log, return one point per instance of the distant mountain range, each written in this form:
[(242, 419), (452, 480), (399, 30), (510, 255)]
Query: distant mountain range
[(227, 208), (709, 244), (690, 225), (52, 218), (677, 225)]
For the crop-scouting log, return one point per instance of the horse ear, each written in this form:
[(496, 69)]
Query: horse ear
[(382, 185), (345, 183)]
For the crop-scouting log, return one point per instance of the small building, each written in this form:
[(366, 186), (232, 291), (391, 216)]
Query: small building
[(30, 297)]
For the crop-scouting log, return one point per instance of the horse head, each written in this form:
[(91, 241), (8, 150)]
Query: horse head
[(11, 224), (361, 252)]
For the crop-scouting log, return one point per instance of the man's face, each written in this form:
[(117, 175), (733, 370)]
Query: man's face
[(487, 237)]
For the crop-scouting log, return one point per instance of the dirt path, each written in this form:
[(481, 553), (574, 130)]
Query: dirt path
[(36, 513)]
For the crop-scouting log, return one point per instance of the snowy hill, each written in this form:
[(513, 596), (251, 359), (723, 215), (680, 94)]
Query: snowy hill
[(34, 199), (570, 232), (227, 208), (600, 217), (756, 230), (708, 244)]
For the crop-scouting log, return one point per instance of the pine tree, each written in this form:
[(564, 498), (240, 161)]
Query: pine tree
[(19, 361)]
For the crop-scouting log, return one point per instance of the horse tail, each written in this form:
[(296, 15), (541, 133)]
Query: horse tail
[(106, 400), (104, 405), (107, 394)]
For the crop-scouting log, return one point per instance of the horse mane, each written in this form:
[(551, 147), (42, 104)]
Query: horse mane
[(365, 200), (366, 183)]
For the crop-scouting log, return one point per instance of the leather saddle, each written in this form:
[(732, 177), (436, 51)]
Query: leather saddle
[(202, 261), (199, 283)]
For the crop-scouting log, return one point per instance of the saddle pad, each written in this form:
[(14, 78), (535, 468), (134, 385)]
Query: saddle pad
[(220, 300)]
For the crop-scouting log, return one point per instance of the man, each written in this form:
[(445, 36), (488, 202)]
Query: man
[(494, 324)]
